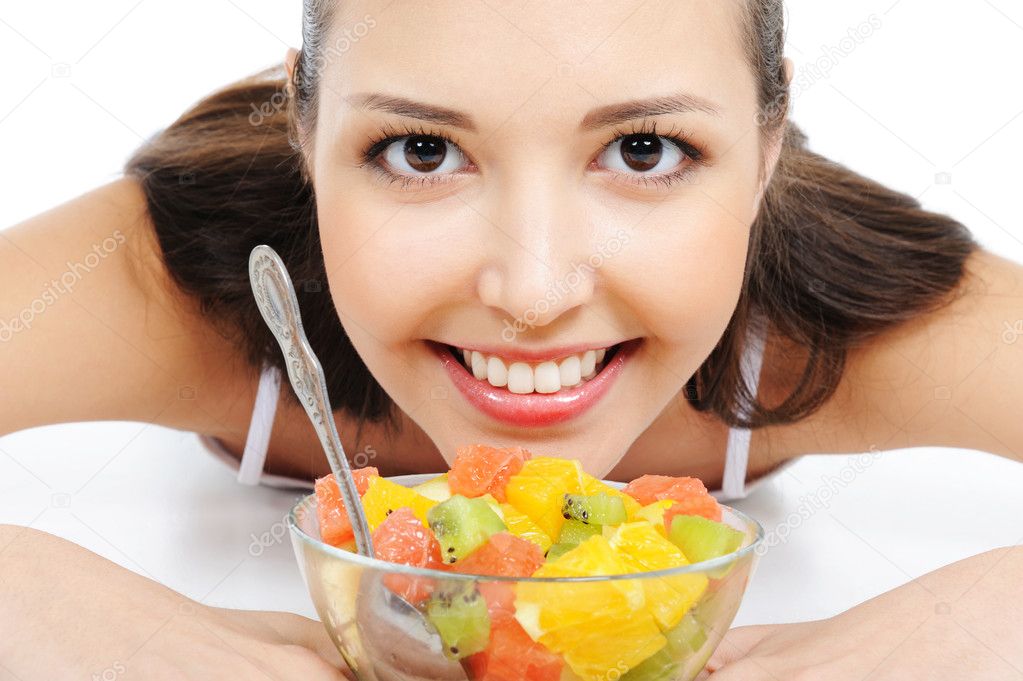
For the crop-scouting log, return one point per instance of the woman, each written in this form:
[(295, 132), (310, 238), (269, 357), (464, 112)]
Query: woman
[(586, 260)]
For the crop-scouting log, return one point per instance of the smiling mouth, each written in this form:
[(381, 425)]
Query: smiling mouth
[(525, 378)]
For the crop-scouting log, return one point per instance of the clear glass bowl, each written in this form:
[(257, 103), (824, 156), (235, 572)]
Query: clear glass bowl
[(586, 621)]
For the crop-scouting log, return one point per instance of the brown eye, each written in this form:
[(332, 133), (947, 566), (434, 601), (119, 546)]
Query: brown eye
[(423, 156), (642, 152)]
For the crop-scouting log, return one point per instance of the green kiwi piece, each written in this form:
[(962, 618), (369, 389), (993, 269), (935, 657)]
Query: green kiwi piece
[(594, 509), (462, 525), (459, 613)]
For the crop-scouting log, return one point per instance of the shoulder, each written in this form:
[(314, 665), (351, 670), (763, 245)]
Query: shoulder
[(950, 377)]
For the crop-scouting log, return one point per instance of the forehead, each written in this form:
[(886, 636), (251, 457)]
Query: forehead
[(497, 58)]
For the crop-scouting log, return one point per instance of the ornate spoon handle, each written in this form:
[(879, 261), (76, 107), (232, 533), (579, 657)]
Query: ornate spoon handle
[(275, 296)]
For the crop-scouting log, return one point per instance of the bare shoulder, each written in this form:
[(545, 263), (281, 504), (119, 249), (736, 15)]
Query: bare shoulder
[(951, 377), (90, 310)]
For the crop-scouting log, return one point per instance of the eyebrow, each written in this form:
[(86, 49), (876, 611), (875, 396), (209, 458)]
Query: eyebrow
[(604, 116)]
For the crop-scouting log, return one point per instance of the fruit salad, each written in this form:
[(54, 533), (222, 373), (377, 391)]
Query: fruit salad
[(502, 512)]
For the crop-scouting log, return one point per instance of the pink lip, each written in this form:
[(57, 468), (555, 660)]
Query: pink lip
[(533, 410)]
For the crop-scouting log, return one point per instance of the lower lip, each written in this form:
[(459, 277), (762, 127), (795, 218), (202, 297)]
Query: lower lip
[(535, 409)]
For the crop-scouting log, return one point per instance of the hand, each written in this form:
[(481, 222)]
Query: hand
[(66, 613), (962, 622)]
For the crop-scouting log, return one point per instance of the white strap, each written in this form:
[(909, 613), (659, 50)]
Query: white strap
[(250, 470), (733, 483)]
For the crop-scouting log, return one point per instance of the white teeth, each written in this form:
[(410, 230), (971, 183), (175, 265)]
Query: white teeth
[(569, 371), (497, 372), (479, 365), (520, 378), (588, 363), (547, 378)]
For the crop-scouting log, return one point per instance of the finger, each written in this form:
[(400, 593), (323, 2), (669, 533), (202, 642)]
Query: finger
[(737, 644)]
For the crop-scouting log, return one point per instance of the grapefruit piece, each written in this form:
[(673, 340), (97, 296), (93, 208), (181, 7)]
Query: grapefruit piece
[(402, 538), (482, 469), (504, 555), (335, 527), (690, 495)]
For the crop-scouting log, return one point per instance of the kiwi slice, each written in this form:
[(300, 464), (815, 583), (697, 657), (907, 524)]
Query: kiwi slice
[(575, 532), (558, 550), (594, 509), (459, 613), (703, 539), (688, 636), (684, 640), (462, 525), (658, 667)]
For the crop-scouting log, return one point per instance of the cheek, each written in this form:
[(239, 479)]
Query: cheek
[(386, 269), (684, 274)]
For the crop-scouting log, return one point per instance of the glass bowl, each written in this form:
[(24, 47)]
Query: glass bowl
[(652, 626)]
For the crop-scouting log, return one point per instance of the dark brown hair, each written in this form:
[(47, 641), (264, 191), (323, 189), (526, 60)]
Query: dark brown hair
[(834, 257)]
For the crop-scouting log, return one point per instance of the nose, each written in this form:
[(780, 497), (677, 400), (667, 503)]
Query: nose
[(539, 266)]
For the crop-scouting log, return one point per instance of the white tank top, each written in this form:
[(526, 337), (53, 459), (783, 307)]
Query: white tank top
[(250, 469)]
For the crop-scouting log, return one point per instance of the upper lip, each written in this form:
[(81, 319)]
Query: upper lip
[(519, 353)]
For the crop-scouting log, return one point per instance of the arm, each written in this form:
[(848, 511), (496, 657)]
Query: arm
[(91, 328), (960, 622), (66, 613), (951, 378)]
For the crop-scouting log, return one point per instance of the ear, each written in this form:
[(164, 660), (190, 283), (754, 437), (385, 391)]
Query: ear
[(770, 162), (774, 152), (290, 60)]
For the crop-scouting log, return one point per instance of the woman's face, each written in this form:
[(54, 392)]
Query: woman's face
[(539, 186)]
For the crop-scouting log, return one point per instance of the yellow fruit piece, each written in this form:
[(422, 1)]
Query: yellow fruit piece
[(539, 489), (643, 549), (384, 496), (597, 626), (521, 525), (435, 488), (653, 513), (494, 504), (592, 485), (567, 472), (623, 645)]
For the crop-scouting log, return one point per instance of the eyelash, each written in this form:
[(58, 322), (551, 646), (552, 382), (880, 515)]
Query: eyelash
[(682, 141)]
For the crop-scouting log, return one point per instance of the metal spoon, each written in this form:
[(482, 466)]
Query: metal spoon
[(401, 643), (275, 296)]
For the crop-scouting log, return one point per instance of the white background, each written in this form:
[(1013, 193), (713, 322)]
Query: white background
[(930, 104)]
